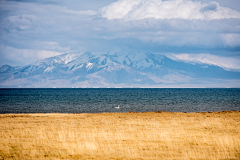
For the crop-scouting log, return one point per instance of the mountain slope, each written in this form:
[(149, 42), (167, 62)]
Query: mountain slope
[(134, 68)]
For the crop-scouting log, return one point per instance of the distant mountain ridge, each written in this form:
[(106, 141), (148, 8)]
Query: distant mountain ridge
[(133, 68)]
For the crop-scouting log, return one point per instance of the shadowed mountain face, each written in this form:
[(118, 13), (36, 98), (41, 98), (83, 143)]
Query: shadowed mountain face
[(117, 69)]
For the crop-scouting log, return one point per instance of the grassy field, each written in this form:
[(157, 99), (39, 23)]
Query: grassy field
[(150, 135)]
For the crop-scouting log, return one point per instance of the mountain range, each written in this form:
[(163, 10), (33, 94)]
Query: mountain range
[(118, 69)]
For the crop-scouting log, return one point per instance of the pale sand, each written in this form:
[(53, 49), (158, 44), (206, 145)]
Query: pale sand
[(147, 135)]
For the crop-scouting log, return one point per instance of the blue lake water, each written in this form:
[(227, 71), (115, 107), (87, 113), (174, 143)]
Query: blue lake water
[(93, 100)]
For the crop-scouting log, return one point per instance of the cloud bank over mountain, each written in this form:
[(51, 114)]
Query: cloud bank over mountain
[(159, 9), (224, 62)]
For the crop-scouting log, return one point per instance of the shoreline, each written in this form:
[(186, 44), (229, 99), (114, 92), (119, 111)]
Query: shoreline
[(225, 111)]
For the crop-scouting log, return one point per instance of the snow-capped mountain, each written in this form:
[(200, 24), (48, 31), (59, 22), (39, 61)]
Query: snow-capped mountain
[(126, 69)]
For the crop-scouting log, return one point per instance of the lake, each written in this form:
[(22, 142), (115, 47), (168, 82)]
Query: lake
[(98, 100)]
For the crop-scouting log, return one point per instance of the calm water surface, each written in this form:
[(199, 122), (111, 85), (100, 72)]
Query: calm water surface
[(91, 100)]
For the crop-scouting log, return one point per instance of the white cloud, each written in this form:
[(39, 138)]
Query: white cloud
[(19, 22), (225, 62), (158, 9), (14, 56), (201, 34), (49, 45), (87, 12), (232, 40)]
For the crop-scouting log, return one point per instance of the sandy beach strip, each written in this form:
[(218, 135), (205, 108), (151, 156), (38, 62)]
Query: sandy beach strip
[(148, 135)]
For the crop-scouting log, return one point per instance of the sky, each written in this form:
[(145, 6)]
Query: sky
[(190, 30)]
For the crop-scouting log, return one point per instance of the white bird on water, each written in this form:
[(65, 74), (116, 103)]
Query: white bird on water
[(117, 107)]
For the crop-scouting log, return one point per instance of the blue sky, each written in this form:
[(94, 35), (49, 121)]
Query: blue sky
[(203, 31)]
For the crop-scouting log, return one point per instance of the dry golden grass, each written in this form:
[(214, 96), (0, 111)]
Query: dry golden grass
[(150, 135)]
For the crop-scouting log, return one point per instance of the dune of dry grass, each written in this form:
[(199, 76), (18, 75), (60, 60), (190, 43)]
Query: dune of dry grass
[(150, 135)]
